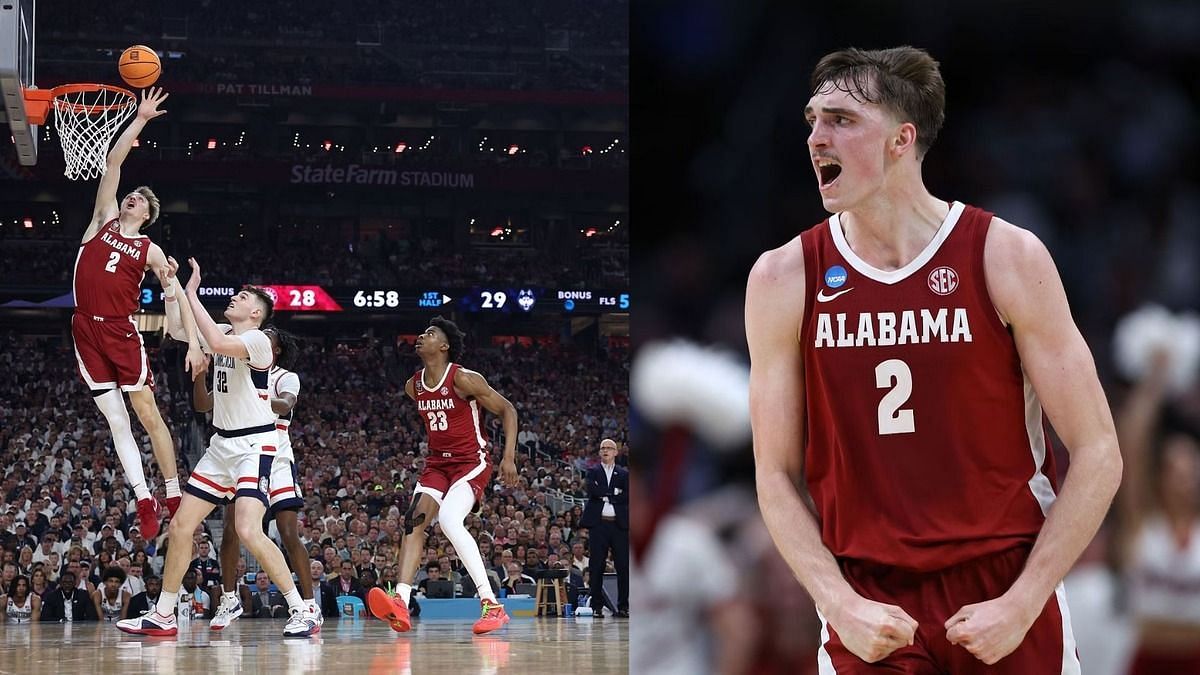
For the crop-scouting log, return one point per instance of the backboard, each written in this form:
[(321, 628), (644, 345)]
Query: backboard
[(16, 73)]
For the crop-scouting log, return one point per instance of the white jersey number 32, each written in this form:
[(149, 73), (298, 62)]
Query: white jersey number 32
[(895, 374)]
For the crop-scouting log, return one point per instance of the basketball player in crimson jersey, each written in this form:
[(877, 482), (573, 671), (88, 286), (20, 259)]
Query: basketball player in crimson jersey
[(113, 258), (903, 352), (456, 472)]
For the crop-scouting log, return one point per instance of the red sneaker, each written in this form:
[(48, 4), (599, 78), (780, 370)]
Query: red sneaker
[(390, 608), (491, 617), (173, 505), (148, 517)]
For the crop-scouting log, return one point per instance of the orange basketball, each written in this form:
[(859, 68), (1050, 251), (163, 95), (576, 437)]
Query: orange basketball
[(139, 66)]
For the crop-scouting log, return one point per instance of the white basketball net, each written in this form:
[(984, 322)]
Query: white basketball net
[(86, 123)]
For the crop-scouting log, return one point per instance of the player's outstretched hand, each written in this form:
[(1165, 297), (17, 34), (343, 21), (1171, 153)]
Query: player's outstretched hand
[(151, 99), (171, 269), (193, 284), (872, 630), (990, 630), (508, 472), (199, 366)]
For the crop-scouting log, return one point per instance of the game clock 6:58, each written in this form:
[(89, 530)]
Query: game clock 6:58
[(377, 298)]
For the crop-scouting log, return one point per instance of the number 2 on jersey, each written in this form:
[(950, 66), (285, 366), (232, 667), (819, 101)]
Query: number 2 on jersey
[(113, 259), (894, 373), (438, 421)]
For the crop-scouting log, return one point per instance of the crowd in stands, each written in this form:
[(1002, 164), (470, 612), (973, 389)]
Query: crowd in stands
[(69, 527), (305, 255), (572, 45)]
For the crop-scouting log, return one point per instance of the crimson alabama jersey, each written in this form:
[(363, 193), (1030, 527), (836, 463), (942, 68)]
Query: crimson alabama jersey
[(455, 424), (925, 444), (109, 271)]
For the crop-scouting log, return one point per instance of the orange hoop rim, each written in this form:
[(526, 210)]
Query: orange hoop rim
[(39, 101)]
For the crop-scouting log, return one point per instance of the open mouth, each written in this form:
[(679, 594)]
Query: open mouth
[(828, 172)]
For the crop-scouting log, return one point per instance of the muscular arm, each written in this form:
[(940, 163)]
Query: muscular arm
[(410, 389), (774, 310), (284, 403), (469, 384), (1029, 295), (202, 398), (106, 192)]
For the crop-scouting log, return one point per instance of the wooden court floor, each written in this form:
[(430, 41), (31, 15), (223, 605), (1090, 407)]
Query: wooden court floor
[(441, 647)]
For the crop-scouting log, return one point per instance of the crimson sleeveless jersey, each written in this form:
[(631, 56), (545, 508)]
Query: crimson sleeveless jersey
[(455, 425), (109, 271), (925, 442)]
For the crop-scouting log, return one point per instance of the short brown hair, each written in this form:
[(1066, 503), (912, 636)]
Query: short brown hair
[(151, 200), (905, 80), (268, 303)]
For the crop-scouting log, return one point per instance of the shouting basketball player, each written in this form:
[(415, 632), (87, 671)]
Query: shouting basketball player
[(902, 354), (113, 258), (456, 471), (239, 459)]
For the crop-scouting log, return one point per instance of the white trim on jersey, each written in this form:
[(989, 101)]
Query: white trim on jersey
[(475, 419), (898, 275), (87, 377), (75, 273), (824, 662), (142, 350), (440, 382), (1070, 660), (1039, 483)]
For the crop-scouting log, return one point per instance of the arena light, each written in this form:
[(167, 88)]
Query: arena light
[(497, 231), (513, 149), (327, 145), (401, 147), (212, 144), (136, 143), (28, 223), (590, 232), (585, 150)]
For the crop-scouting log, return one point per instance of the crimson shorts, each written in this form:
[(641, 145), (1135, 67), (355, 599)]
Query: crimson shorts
[(444, 470), (110, 353), (932, 598)]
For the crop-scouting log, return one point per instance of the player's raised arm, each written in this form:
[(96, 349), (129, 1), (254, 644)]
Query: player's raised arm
[(106, 193), (774, 310), (470, 384), (181, 325), (1028, 293), (218, 342)]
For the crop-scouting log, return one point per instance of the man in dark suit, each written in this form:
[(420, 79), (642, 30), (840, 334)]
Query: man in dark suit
[(144, 601), (54, 606), (606, 516), (323, 593), (347, 584), (263, 602)]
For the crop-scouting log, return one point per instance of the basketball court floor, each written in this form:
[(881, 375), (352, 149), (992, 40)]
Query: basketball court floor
[(442, 647)]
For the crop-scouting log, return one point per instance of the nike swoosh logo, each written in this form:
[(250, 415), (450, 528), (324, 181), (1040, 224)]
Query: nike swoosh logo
[(129, 335), (821, 297)]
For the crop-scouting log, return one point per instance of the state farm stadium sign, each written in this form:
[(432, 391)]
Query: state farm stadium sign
[(354, 174)]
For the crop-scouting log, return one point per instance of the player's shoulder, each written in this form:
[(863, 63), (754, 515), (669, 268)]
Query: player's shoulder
[(1009, 247), (779, 266), (462, 373)]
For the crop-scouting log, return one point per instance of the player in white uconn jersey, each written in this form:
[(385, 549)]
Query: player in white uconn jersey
[(238, 461), (286, 499)]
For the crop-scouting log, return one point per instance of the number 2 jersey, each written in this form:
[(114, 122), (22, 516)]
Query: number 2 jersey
[(455, 424), (108, 272), (925, 444)]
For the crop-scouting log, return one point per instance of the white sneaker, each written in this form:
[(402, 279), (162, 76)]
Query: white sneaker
[(229, 610), (302, 623), (149, 623), (316, 612)]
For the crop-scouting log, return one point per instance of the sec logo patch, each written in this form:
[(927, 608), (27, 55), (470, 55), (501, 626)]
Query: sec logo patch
[(943, 280)]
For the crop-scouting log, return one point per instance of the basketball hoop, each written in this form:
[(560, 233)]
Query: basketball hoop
[(87, 117)]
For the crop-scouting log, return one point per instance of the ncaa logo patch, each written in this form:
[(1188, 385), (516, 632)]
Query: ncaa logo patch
[(943, 280), (835, 276)]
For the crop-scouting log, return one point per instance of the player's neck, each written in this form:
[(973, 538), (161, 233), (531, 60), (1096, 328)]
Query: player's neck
[(129, 228), (242, 326), (436, 369), (891, 228)]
